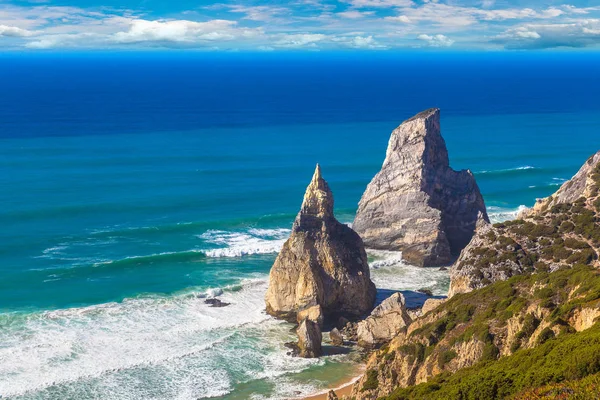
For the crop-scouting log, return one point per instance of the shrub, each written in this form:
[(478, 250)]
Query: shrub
[(371, 383), (447, 356), (545, 335)]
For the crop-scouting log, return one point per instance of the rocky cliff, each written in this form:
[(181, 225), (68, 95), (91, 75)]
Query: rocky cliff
[(322, 268), (559, 231), (417, 203), (489, 324)]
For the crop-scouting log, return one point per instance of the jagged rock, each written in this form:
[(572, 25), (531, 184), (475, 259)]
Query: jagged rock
[(323, 263), (541, 239), (417, 203), (582, 184), (349, 331), (309, 339), (386, 320), (331, 395), (336, 337)]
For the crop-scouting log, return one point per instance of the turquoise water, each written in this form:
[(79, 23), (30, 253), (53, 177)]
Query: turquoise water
[(116, 231)]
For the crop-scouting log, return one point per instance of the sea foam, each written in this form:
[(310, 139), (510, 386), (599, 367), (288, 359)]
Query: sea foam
[(243, 243), (173, 347)]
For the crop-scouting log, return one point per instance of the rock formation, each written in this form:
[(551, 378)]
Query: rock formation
[(384, 323), (417, 203), (309, 339), (560, 231), (322, 268)]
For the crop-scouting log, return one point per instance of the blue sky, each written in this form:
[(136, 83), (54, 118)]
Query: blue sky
[(311, 25)]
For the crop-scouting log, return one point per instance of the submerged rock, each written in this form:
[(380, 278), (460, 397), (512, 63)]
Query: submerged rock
[(386, 320), (323, 264), (417, 203), (216, 303), (309, 339)]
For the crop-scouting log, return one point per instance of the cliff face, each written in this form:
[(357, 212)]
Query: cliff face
[(322, 267), (560, 231), (417, 203)]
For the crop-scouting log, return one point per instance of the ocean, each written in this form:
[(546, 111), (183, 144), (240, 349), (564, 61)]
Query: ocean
[(136, 185)]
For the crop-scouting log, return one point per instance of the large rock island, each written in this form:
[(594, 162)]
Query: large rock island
[(417, 203), (322, 268)]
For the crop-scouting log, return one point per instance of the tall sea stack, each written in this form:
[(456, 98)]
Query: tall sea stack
[(322, 268), (418, 204)]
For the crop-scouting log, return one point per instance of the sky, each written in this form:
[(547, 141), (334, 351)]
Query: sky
[(310, 25)]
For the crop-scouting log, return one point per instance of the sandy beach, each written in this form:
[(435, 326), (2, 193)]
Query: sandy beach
[(341, 388)]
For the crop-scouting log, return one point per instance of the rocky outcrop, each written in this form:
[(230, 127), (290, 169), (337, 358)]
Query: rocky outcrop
[(417, 203), (309, 339), (323, 264), (384, 323), (560, 231), (583, 184)]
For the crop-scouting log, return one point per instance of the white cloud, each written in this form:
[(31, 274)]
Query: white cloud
[(436, 40), (182, 31), (13, 31), (401, 18), (355, 14), (299, 40), (580, 33), (380, 3), (258, 13)]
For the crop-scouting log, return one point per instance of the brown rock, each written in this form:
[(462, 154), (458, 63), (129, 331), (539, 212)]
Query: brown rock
[(331, 395), (323, 263), (309, 339), (336, 337)]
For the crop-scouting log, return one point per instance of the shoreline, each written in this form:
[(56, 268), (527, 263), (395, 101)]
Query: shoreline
[(342, 388)]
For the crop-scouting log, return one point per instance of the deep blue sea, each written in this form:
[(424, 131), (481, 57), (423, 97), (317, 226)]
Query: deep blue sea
[(135, 185)]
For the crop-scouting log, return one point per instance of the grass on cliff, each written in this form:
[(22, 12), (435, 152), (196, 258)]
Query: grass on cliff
[(569, 357)]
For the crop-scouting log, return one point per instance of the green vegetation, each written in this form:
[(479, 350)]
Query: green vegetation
[(568, 357), (371, 383)]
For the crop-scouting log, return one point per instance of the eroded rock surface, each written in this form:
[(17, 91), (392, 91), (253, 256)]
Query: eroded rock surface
[(323, 264), (417, 203)]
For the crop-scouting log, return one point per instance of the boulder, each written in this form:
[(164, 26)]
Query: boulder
[(309, 339), (323, 264), (331, 395), (385, 322), (431, 304), (418, 204), (336, 337)]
